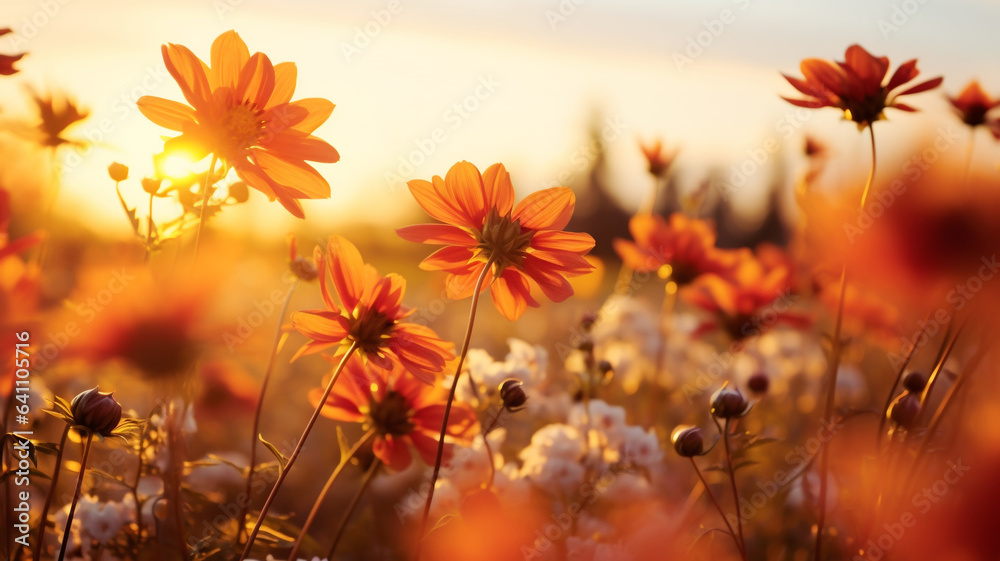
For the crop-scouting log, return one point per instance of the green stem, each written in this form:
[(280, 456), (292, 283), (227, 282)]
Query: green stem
[(44, 518), (447, 407), (718, 507), (326, 489), (257, 412), (892, 391), (76, 495), (736, 493), (295, 453), (489, 450), (354, 504)]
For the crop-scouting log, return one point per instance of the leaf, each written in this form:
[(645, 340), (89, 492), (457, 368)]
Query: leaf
[(721, 468), (761, 441), (229, 463), (743, 464), (345, 447), (282, 460), (442, 522), (129, 212)]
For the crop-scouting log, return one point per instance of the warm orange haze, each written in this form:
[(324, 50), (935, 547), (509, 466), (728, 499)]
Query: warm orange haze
[(580, 280)]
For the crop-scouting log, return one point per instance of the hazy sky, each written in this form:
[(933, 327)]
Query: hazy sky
[(495, 80)]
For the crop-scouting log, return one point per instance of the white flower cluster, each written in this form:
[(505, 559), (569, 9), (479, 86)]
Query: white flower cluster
[(95, 521), (525, 362)]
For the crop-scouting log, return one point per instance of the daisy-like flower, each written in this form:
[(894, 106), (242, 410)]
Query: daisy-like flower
[(7, 61), (369, 315), (682, 248), (401, 410), (855, 85), (750, 299), (972, 104), (241, 112), (658, 159), (483, 227), (56, 116)]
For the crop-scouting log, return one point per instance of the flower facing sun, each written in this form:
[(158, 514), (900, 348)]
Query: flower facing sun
[(401, 410), (855, 86), (483, 227), (681, 248), (370, 316), (972, 104), (241, 112)]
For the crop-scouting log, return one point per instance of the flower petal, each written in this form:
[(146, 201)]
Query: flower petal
[(321, 325), (229, 56), (549, 209), (285, 75), (511, 294), (166, 113), (923, 87), (295, 145), (436, 234), (906, 72), (189, 73), (577, 242), (296, 175), (464, 186), (433, 198), (346, 267), (554, 285), (318, 110), (498, 188), (450, 258)]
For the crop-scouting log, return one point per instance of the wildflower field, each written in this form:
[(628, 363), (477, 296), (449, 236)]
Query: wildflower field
[(550, 281)]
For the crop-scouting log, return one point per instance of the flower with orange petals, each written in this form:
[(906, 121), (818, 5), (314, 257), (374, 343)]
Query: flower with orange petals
[(56, 114), (680, 248), (855, 86), (241, 111), (751, 298), (483, 227), (369, 315), (657, 158), (399, 409), (7, 61), (972, 104)]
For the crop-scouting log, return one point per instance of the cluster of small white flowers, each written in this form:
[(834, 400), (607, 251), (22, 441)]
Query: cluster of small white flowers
[(553, 459), (95, 521), (525, 362), (611, 439)]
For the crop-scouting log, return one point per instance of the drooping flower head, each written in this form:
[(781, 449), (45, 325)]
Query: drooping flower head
[(241, 111), (7, 61), (368, 312), (402, 411), (482, 226), (972, 104), (856, 85), (681, 248)]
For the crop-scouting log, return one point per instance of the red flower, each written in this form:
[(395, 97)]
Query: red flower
[(7, 61), (685, 245), (370, 315), (855, 86), (482, 225), (402, 411), (657, 159), (972, 104)]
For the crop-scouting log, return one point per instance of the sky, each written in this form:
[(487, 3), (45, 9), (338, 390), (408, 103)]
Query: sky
[(420, 85)]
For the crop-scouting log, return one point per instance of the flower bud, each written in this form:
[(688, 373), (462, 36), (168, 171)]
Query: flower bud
[(728, 403), (759, 383), (915, 382), (513, 395), (605, 369), (239, 192), (687, 441), (151, 185), (304, 269), (118, 172), (96, 411), (904, 410)]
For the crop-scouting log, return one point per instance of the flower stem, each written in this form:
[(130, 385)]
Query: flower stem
[(833, 367), (295, 453), (718, 507), (275, 347), (736, 492), (892, 391), (76, 495), (326, 489), (209, 181), (968, 155), (447, 407), (489, 450), (354, 504), (44, 519)]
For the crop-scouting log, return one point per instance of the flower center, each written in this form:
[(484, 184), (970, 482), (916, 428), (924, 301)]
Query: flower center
[(369, 329), (243, 127), (391, 416), (503, 241)]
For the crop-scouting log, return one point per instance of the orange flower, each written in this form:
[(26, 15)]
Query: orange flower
[(56, 115), (973, 104), (7, 61), (482, 226), (855, 86), (751, 298), (657, 158), (370, 315), (400, 409), (241, 111), (685, 245)]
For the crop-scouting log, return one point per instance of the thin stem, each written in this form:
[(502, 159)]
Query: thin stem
[(204, 201), (968, 155), (946, 347), (372, 470), (489, 450), (871, 174), (149, 229), (718, 507), (260, 407), (326, 489), (451, 399), (295, 453), (175, 473), (76, 495), (892, 391), (44, 519), (736, 493)]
